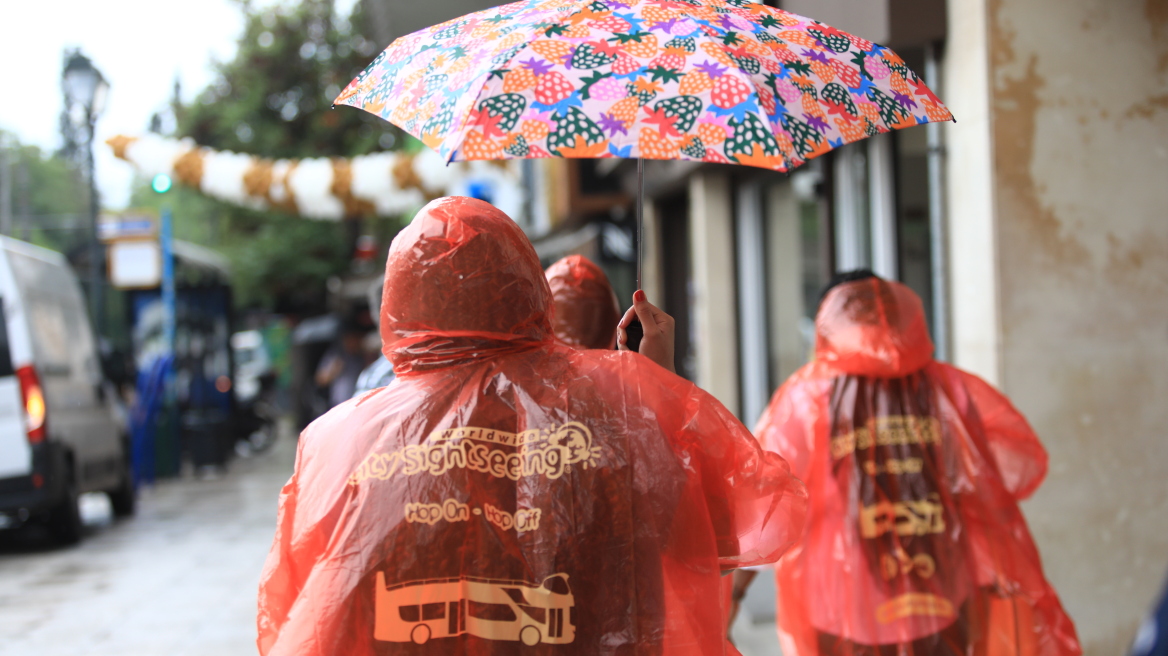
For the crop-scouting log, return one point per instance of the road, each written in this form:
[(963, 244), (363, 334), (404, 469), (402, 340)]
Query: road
[(179, 579)]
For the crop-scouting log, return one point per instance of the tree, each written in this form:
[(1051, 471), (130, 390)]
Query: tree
[(274, 97), (273, 100), (48, 198)]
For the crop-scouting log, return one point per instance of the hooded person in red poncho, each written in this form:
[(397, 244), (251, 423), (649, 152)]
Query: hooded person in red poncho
[(507, 490), (586, 310), (914, 542)]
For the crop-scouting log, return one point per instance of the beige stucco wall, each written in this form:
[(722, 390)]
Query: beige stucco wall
[(1079, 99)]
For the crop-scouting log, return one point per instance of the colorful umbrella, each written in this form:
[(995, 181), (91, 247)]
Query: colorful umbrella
[(726, 81)]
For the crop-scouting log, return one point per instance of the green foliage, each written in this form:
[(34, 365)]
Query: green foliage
[(53, 186), (276, 259), (196, 218), (289, 259), (273, 100), (49, 199)]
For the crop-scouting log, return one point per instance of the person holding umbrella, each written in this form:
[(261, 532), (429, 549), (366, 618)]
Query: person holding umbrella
[(508, 489)]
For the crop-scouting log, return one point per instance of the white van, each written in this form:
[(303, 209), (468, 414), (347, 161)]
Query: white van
[(57, 436)]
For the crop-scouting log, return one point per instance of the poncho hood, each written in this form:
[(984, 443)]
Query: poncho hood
[(452, 296), (872, 327), (586, 310)]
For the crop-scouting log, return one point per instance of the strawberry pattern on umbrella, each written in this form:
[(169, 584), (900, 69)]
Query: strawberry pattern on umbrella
[(727, 81)]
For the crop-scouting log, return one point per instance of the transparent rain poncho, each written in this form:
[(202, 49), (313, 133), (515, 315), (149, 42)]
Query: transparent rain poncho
[(914, 541), (510, 494)]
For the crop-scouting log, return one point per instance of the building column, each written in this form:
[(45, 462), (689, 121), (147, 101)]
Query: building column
[(853, 236), (973, 249), (714, 308), (754, 387), (784, 281)]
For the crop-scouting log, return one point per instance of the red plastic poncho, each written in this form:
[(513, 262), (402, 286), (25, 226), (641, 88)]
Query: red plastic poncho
[(586, 310), (507, 489), (914, 469)]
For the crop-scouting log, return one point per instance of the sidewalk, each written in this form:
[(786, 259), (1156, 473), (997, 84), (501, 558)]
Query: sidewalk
[(754, 630), (178, 579)]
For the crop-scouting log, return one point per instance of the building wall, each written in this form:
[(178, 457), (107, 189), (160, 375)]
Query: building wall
[(1077, 238)]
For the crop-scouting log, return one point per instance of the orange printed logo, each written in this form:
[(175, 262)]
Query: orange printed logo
[(547, 452), (913, 603), (493, 609)]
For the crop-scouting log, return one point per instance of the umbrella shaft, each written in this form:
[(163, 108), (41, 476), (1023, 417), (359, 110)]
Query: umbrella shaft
[(640, 217)]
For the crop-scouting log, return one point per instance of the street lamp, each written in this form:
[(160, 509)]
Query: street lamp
[(85, 93)]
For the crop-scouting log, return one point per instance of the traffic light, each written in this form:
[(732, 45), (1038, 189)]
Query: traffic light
[(161, 183)]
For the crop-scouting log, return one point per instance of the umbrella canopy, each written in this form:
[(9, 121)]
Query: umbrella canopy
[(727, 81)]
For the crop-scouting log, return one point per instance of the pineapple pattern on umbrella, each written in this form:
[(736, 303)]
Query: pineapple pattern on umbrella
[(729, 81)]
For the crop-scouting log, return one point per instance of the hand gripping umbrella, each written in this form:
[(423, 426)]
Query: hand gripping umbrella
[(726, 81)]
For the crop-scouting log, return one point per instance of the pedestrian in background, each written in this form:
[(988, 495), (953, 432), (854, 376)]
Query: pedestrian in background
[(379, 372), (508, 489), (914, 542), (342, 364), (586, 311)]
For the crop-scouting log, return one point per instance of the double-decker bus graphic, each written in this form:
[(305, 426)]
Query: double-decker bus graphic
[(494, 609)]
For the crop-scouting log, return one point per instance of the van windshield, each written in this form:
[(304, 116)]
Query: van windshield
[(56, 316)]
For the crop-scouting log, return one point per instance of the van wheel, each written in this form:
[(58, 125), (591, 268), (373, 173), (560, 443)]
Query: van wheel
[(123, 498), (421, 634), (65, 518), (530, 636)]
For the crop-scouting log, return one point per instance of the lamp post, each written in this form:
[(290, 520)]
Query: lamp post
[(85, 94)]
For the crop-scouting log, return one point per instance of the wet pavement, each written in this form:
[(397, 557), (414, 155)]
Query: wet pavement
[(178, 579)]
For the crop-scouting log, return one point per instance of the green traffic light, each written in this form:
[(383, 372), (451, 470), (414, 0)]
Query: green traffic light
[(161, 183)]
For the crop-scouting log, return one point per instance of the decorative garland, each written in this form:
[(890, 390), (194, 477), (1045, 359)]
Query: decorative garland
[(382, 184)]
